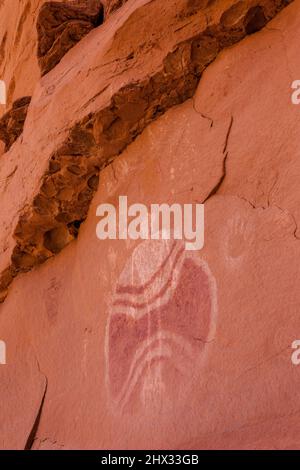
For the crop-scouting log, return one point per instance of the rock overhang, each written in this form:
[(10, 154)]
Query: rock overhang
[(131, 71)]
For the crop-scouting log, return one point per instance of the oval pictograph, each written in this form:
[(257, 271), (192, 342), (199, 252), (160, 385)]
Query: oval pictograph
[(161, 321)]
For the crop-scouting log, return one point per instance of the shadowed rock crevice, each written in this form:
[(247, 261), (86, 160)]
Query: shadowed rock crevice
[(12, 123), (112, 5), (72, 176), (61, 25), (32, 434)]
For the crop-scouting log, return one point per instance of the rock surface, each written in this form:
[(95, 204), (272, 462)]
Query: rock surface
[(113, 5), (124, 84), (60, 25), (18, 42), (12, 123), (131, 111)]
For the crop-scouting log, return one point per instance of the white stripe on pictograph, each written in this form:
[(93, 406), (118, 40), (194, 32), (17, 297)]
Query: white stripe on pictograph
[(2, 352), (2, 92)]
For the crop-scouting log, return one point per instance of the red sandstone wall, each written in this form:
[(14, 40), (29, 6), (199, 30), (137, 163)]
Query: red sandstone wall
[(141, 344)]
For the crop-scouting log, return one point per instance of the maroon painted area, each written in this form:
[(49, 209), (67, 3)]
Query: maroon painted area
[(187, 314), (139, 290)]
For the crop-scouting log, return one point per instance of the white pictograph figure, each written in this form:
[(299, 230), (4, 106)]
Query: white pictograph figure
[(2, 352), (162, 319), (2, 92)]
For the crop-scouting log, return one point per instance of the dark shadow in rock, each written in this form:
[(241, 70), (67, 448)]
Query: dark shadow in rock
[(112, 6), (61, 25), (12, 123)]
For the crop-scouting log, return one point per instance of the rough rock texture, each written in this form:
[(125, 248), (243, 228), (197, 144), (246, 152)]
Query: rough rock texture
[(12, 123), (60, 25), (124, 84), (18, 47), (18, 42), (113, 5), (231, 140)]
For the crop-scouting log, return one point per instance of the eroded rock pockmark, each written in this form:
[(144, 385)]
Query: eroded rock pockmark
[(12, 123), (60, 25)]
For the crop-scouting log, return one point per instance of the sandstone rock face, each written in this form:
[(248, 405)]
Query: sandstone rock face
[(113, 5), (19, 66), (18, 41), (155, 347), (12, 123), (60, 25), (135, 87)]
